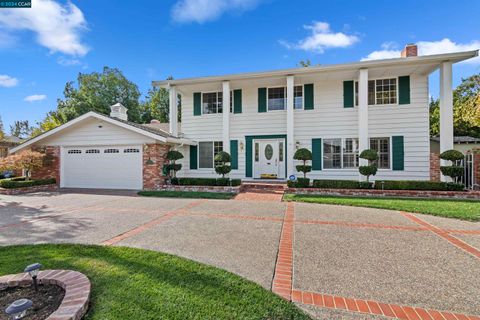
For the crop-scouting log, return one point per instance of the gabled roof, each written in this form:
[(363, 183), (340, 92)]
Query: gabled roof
[(150, 132)]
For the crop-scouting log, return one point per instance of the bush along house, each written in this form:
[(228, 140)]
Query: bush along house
[(262, 118)]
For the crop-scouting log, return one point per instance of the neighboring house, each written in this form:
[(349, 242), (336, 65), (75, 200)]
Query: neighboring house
[(464, 144), (7, 143), (336, 111)]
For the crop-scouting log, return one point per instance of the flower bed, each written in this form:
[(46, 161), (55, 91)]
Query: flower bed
[(76, 285)]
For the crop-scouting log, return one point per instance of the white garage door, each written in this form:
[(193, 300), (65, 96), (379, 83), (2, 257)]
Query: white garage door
[(106, 167)]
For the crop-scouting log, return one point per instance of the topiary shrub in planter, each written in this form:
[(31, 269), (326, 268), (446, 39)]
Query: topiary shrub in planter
[(224, 167), (371, 169), (452, 171), (172, 156), (304, 155)]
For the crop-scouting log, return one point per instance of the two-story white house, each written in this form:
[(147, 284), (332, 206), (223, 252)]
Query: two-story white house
[(261, 119), (336, 111)]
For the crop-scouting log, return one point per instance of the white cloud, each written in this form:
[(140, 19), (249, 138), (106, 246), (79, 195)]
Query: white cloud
[(35, 97), (321, 38), (68, 62), (7, 81), (57, 27), (428, 48), (201, 11)]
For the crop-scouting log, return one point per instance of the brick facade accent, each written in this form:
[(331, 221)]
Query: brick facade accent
[(42, 188), (154, 157), (434, 166), (51, 164), (476, 166)]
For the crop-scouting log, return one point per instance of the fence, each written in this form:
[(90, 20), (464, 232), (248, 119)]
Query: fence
[(468, 178)]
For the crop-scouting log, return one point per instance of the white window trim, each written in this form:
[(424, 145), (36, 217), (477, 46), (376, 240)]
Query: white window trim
[(390, 153), (285, 91), (217, 113), (354, 169), (211, 170), (375, 104)]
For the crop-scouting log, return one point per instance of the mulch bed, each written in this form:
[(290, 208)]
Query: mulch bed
[(45, 302)]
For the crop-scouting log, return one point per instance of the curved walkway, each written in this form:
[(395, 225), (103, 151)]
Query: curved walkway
[(335, 262)]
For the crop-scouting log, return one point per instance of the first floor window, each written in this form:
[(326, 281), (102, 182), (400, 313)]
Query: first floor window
[(332, 153), (207, 152), (350, 153), (382, 146)]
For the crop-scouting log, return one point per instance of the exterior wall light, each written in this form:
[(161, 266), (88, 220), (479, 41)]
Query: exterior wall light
[(18, 309), (241, 146), (33, 270)]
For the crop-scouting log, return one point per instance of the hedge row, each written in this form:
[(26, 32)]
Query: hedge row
[(22, 183), (206, 182), (379, 185), (418, 185)]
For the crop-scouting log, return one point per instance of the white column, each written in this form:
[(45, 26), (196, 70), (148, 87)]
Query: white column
[(173, 111), (446, 111), (363, 114), (226, 116), (290, 127)]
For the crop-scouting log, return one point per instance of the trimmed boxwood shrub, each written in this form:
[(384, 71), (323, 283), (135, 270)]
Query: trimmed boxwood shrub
[(207, 182), (341, 184), (300, 183), (452, 171), (13, 184), (418, 185)]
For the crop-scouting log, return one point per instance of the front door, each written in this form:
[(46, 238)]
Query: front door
[(268, 164)]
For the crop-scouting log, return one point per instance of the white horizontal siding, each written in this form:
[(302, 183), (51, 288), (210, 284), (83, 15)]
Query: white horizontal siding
[(329, 119), (96, 132)]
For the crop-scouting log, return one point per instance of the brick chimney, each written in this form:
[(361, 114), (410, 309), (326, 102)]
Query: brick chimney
[(410, 50)]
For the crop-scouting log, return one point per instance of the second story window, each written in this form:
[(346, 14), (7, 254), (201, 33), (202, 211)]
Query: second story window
[(212, 102), (380, 91), (277, 98)]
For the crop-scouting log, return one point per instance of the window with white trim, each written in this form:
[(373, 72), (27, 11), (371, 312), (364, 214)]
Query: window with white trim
[(92, 151), (340, 153), (207, 152), (277, 98), (111, 151), (380, 91), (382, 146), (212, 102), (74, 151), (332, 153), (131, 150)]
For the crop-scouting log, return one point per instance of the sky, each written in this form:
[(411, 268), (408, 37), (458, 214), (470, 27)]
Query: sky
[(43, 47)]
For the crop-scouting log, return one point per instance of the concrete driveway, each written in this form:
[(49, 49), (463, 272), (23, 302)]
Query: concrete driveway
[(335, 262)]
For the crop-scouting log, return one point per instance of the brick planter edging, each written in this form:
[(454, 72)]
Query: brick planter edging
[(14, 191), (76, 285), (217, 189), (387, 193)]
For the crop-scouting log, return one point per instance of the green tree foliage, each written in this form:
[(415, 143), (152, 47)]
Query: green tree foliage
[(155, 106), (172, 157), (21, 129), (371, 169), (466, 109), (304, 155), (97, 92), (52, 120), (224, 167), (454, 171), (2, 130)]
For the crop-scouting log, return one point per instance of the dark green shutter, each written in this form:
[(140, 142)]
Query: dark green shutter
[(404, 90), (398, 153), (262, 99), (248, 158), (237, 101), (348, 94), (197, 103), (317, 154), (308, 92), (234, 154), (193, 157)]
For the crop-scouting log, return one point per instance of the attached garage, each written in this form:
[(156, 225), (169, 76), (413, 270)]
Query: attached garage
[(100, 152), (103, 167)]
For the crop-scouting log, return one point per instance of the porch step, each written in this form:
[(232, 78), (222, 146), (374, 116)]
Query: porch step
[(271, 186)]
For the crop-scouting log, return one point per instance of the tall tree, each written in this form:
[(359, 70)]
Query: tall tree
[(52, 120), (156, 105), (97, 92), (466, 109), (21, 129)]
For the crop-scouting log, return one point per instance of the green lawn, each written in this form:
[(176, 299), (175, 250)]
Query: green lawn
[(132, 283), (188, 194), (460, 209)]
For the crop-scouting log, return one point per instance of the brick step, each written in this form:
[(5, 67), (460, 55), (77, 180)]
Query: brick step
[(264, 187)]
